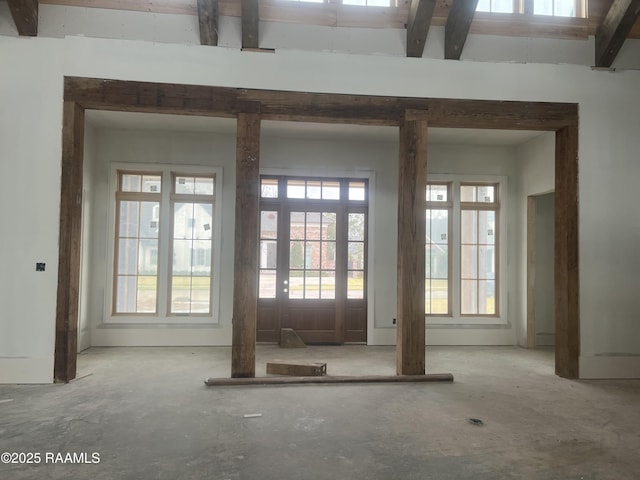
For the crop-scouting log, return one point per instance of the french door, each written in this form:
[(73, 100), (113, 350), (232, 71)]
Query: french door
[(313, 250)]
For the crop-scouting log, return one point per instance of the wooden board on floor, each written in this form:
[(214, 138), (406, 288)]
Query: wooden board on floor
[(297, 369)]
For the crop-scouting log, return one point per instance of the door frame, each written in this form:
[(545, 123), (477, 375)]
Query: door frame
[(249, 107)]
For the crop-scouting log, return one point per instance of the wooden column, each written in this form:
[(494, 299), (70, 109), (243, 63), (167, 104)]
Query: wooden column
[(69, 243), (245, 279), (410, 341), (566, 254)]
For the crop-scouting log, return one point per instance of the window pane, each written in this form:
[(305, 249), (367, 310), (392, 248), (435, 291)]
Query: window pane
[(296, 225), (355, 284), (331, 190), (437, 293), (269, 188), (151, 183), (268, 253), (357, 191), (312, 284), (204, 186), (356, 255), (328, 256), (543, 7), (439, 223), (469, 297), (502, 6), (356, 226), (487, 299), (469, 226), (127, 294), (185, 185), (313, 226), (469, 261), (296, 284), (487, 262), (486, 194), (147, 256), (129, 218), (267, 284), (201, 258), (328, 226), (183, 220), (146, 301), (314, 189), (200, 294), (328, 286), (467, 193), (181, 257), (180, 294), (487, 227), (484, 6), (130, 183), (268, 224), (296, 255), (437, 193), (128, 256), (564, 8), (295, 188), (312, 255), (149, 224), (439, 261)]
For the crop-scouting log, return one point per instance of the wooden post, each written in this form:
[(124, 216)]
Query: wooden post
[(531, 271), (245, 279), (412, 181), (69, 243), (566, 254)]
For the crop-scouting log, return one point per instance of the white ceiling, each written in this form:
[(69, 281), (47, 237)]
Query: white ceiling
[(316, 131)]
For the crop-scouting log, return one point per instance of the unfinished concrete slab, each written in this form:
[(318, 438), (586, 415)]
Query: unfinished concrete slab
[(147, 414)]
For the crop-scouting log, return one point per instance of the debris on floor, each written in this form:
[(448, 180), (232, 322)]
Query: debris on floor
[(6, 400), (476, 421), (252, 415), (297, 369)]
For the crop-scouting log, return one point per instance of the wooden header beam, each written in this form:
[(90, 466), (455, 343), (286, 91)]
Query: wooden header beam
[(128, 96), (25, 16), (420, 16), (457, 27), (208, 22), (614, 30)]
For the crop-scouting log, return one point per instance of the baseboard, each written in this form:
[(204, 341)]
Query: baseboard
[(26, 370), (609, 366)]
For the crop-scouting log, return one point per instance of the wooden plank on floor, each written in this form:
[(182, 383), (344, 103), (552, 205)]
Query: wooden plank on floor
[(296, 369), (427, 378)]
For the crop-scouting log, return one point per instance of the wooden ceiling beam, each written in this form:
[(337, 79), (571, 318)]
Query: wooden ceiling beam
[(250, 23), (614, 30), (457, 27), (420, 16), (25, 16), (208, 22)]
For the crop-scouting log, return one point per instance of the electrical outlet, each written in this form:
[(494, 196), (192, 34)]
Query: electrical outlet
[(394, 321), (40, 266)]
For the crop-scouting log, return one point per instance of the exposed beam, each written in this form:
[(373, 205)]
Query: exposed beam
[(245, 278), (121, 95), (69, 243), (420, 16), (457, 27), (614, 30), (208, 22), (25, 16), (412, 182), (250, 23)]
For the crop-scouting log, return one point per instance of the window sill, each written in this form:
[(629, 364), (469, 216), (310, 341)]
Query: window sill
[(465, 322)]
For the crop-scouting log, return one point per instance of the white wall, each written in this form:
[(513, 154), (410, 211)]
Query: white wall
[(544, 267), (30, 145)]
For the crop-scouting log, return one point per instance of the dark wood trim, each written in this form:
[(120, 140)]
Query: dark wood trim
[(245, 279), (412, 183), (100, 94), (457, 27), (69, 243), (427, 378), (250, 24), (615, 29), (567, 294), (81, 93), (208, 22), (25, 16), (420, 16)]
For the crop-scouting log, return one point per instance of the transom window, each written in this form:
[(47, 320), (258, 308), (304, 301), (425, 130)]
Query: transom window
[(164, 249), (557, 8), (360, 3)]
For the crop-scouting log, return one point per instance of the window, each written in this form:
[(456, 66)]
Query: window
[(438, 233), (478, 247), (557, 8), (164, 249), (462, 241), (361, 3)]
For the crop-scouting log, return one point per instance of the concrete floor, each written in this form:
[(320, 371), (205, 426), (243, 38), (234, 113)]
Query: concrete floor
[(147, 414)]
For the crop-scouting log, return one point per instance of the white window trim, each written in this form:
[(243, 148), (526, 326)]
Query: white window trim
[(162, 318), (455, 319)]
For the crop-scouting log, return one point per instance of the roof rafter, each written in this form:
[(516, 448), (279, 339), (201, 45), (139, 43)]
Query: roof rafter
[(25, 16), (420, 16), (208, 22), (614, 30), (250, 23), (457, 27)]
